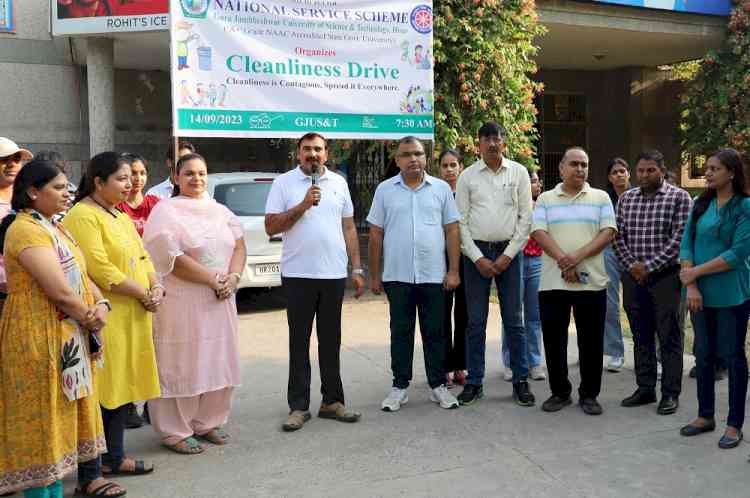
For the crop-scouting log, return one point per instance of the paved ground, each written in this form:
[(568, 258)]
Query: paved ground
[(494, 448)]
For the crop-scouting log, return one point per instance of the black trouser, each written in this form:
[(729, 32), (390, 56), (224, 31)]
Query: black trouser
[(318, 299), (720, 335), (405, 300), (114, 432), (653, 311), (590, 312), (89, 471), (455, 323)]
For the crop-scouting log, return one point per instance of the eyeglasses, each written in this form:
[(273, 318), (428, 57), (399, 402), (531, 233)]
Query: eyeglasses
[(16, 158), (409, 154)]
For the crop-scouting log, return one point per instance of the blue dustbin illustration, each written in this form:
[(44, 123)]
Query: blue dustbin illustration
[(204, 58)]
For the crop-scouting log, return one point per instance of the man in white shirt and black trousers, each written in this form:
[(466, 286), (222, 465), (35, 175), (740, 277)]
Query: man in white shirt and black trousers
[(494, 198), (313, 209)]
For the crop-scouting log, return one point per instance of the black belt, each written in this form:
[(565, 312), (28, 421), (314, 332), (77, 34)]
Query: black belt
[(493, 244)]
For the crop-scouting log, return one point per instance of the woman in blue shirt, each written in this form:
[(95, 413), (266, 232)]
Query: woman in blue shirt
[(713, 256)]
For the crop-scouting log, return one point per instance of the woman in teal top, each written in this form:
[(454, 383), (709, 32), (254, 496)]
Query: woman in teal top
[(713, 255)]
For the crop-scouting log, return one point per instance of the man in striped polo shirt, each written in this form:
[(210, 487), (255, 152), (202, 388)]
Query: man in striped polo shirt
[(573, 223)]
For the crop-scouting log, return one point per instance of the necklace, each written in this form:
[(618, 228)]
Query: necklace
[(113, 215)]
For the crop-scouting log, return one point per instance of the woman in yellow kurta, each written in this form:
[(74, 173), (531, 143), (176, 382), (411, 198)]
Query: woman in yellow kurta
[(49, 410), (121, 267)]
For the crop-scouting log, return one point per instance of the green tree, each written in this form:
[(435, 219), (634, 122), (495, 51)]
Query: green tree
[(715, 109), (484, 58)]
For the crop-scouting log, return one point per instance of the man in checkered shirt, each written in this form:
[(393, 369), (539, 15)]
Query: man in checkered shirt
[(650, 222)]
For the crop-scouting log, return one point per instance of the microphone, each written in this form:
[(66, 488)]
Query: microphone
[(315, 178)]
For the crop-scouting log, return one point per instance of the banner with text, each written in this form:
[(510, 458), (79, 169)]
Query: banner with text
[(281, 68), (86, 17)]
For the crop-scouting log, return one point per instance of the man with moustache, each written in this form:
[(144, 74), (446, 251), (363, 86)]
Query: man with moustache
[(316, 220), (573, 223), (414, 219), (651, 220), (494, 200)]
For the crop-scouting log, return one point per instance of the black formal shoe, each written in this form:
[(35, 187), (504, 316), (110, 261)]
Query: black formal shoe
[(668, 405), (522, 394), (693, 373), (133, 420), (693, 430), (590, 406), (470, 395), (639, 398), (556, 403), (727, 442)]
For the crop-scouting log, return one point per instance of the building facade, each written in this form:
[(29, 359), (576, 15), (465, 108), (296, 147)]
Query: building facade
[(599, 63)]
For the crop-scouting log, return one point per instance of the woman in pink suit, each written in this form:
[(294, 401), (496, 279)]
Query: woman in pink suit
[(198, 249)]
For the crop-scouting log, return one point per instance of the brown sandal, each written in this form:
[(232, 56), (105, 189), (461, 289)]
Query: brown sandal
[(215, 436), (295, 420)]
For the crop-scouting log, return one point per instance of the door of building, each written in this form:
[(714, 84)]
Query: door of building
[(562, 124)]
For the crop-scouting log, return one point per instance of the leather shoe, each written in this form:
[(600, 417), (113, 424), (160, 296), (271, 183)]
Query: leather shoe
[(668, 405), (590, 406), (639, 398), (727, 442), (694, 430)]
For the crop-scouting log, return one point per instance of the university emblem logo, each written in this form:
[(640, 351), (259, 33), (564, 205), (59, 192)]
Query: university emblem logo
[(421, 19)]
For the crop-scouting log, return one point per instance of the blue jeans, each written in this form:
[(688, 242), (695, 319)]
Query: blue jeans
[(510, 293), (720, 335), (613, 344), (532, 272)]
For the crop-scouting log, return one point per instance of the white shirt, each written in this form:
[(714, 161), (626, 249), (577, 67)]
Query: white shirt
[(495, 206), (314, 247), (163, 190)]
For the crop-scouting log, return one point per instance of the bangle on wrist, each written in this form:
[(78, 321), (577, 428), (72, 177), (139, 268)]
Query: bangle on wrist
[(358, 271), (105, 302), (235, 274)]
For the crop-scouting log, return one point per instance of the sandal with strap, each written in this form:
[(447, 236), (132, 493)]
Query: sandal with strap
[(188, 446), (216, 435), (101, 491), (139, 469)]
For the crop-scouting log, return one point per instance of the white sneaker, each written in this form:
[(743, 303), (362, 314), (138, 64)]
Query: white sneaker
[(441, 395), (508, 375), (395, 399), (537, 373), (615, 364)]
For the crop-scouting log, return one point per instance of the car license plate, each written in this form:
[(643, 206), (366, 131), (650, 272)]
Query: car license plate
[(267, 269)]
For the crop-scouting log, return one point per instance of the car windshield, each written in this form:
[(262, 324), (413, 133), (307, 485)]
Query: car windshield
[(243, 199)]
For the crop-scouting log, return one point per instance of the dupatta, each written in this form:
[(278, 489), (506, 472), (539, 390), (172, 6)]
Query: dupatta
[(75, 368)]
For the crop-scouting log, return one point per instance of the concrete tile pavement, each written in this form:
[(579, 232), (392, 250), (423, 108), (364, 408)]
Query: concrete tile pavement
[(494, 448)]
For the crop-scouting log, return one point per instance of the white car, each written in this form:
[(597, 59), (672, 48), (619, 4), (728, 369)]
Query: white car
[(245, 195)]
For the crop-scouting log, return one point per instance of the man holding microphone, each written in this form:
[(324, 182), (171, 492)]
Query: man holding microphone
[(313, 210)]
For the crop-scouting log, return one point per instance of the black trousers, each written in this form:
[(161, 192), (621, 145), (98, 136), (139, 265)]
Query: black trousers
[(405, 301), (589, 312), (654, 311), (318, 299), (455, 323)]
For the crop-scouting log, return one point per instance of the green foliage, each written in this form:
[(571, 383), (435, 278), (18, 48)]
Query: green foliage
[(715, 109), (484, 56)]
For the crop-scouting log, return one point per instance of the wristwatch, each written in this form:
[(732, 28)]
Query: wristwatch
[(358, 271)]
